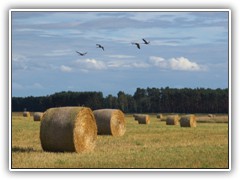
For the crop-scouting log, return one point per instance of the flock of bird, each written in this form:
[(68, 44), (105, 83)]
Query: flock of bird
[(100, 46)]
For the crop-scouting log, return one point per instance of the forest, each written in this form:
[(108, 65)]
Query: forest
[(149, 100)]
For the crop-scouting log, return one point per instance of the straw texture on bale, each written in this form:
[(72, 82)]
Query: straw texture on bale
[(211, 115), (37, 116), (68, 129), (172, 120), (159, 116), (188, 121), (110, 122), (143, 119), (136, 116), (26, 114)]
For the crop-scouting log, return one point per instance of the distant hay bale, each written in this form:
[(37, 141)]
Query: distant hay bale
[(188, 121), (210, 115), (37, 116), (26, 114), (110, 122), (160, 116), (136, 116), (68, 129), (172, 120), (143, 119)]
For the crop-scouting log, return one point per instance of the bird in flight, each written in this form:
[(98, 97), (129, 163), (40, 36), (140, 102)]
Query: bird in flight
[(137, 44), (100, 46), (145, 41), (81, 54)]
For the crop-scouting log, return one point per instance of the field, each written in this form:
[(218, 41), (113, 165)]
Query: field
[(143, 146)]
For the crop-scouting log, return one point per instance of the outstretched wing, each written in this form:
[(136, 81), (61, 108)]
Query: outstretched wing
[(78, 52), (145, 41), (138, 45)]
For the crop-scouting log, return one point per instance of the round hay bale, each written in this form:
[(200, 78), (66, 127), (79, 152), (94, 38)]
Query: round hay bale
[(143, 119), (68, 129), (137, 116), (26, 114), (210, 115), (37, 116), (188, 121), (172, 120), (159, 116), (134, 115), (110, 122)]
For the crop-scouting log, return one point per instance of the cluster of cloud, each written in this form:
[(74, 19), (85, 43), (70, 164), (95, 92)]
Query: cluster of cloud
[(181, 64)]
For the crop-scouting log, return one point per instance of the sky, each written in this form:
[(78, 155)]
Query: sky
[(186, 49)]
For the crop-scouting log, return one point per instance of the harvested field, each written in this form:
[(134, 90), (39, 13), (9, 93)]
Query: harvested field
[(154, 146)]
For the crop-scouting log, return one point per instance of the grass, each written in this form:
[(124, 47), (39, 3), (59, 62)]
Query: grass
[(143, 146)]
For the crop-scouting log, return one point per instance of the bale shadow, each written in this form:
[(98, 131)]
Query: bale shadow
[(23, 149)]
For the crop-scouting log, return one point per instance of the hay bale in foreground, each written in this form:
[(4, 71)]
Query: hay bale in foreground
[(110, 122), (188, 121), (37, 116), (172, 120), (68, 129), (143, 119), (26, 114)]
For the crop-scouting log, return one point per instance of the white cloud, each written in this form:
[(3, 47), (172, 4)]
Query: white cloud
[(158, 61), (183, 64), (117, 64), (65, 68), (91, 64)]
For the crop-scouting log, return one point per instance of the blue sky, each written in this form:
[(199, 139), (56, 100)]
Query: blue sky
[(187, 49)]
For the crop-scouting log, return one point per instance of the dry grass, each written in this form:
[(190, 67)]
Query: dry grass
[(152, 146), (68, 129)]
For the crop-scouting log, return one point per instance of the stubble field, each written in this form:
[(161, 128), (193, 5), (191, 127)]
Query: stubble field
[(155, 145)]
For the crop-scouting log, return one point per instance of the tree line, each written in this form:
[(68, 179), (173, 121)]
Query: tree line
[(149, 100)]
